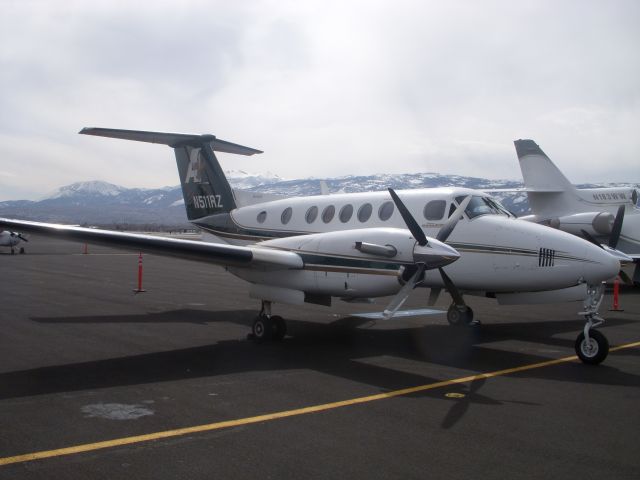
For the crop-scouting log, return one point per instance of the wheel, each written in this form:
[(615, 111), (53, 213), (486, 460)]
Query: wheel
[(459, 315), (262, 329), (279, 328), (595, 350), (21, 250)]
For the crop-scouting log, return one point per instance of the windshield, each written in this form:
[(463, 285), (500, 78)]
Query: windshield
[(483, 206)]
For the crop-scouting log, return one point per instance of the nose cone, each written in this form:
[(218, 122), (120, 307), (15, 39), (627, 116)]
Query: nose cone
[(435, 254), (601, 265)]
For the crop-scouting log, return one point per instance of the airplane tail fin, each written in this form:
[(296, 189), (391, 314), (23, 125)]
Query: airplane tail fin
[(547, 188), (538, 172), (205, 188)]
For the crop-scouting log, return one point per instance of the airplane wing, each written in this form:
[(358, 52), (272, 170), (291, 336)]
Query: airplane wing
[(219, 254)]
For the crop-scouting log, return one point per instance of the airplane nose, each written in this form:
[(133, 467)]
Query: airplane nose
[(604, 267)]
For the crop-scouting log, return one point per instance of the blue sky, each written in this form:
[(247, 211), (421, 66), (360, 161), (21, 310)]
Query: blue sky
[(325, 88)]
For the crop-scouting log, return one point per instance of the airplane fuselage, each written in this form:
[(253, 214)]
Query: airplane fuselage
[(499, 253), (593, 210)]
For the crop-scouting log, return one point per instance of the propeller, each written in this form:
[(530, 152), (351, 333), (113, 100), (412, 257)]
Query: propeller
[(621, 256), (617, 227), (409, 221), (19, 235), (450, 224), (427, 255)]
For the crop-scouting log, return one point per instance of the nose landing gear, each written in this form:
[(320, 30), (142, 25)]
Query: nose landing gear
[(591, 346)]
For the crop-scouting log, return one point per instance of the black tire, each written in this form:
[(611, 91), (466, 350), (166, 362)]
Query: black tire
[(594, 352), (459, 316), (21, 250), (279, 328), (262, 329)]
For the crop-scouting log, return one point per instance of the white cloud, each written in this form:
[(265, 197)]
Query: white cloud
[(324, 88)]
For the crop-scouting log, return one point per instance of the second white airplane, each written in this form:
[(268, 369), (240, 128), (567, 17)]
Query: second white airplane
[(607, 215), (358, 246), (11, 240)]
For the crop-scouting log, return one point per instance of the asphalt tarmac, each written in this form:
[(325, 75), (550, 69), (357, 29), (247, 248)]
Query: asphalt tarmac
[(98, 382)]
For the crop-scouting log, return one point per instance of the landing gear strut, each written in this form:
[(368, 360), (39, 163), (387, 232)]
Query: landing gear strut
[(460, 315), (592, 347), (267, 327)]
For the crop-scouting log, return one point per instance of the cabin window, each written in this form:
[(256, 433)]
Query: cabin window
[(262, 216), (364, 212), (345, 213), (385, 211), (434, 210), (328, 213), (311, 214), (286, 215)]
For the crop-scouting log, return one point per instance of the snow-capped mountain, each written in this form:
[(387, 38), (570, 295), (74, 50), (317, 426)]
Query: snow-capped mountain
[(102, 203), (91, 188)]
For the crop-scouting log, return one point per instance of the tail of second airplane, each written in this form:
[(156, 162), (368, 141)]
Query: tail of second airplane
[(547, 188), (205, 188)]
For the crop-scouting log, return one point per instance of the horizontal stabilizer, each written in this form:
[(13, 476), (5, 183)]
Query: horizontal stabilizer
[(418, 312), (171, 139)]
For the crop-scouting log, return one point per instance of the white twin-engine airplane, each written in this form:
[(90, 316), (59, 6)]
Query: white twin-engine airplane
[(607, 216), (362, 245), (11, 239)]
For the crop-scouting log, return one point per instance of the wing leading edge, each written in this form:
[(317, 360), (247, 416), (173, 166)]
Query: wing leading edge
[(219, 254)]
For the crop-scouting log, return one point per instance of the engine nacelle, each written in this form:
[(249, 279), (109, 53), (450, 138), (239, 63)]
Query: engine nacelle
[(595, 223)]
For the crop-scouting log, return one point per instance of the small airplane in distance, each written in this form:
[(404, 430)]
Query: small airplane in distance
[(605, 216), (11, 239), (358, 246)]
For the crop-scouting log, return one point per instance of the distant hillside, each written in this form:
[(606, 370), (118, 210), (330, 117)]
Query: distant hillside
[(102, 203)]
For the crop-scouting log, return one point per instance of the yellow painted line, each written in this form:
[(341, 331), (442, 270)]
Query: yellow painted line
[(117, 442)]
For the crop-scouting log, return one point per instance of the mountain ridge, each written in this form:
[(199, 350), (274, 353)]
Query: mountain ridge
[(102, 203)]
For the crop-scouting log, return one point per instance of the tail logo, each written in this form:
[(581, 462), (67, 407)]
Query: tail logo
[(196, 169)]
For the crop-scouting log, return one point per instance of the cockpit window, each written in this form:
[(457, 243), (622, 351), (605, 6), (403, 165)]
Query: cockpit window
[(483, 206)]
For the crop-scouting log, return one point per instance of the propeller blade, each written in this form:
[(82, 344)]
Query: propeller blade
[(625, 278), (401, 296), (589, 237), (448, 227), (451, 288), (617, 228), (434, 293), (411, 223), (24, 239), (621, 256)]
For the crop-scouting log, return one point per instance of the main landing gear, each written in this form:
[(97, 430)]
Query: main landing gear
[(267, 327), (460, 315), (592, 347)]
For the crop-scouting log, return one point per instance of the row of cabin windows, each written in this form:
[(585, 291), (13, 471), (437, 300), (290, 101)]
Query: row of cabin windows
[(434, 210)]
